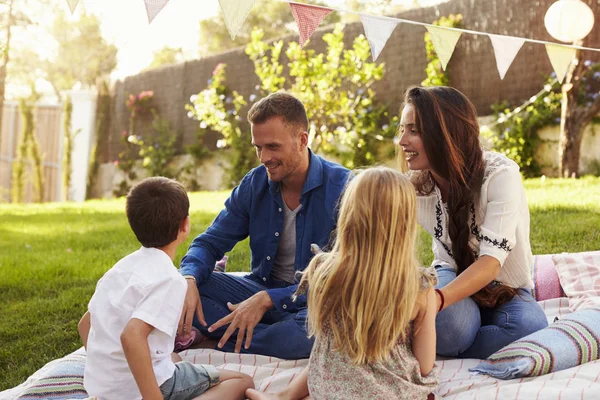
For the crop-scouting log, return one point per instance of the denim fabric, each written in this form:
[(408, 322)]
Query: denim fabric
[(189, 381), (279, 334), (464, 330), (255, 209)]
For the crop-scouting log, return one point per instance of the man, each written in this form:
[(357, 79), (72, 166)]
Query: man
[(284, 205)]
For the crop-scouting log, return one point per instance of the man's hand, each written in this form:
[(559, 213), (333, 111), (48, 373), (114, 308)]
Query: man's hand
[(191, 305), (244, 317)]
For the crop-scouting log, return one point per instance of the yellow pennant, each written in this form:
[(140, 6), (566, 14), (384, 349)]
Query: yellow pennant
[(444, 41), (560, 58), (72, 5), (235, 13)]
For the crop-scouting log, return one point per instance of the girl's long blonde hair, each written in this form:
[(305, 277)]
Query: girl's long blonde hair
[(365, 288)]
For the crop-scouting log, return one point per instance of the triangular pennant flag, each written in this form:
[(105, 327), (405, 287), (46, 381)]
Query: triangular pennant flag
[(153, 7), (505, 50), (444, 40), (560, 58), (72, 5), (308, 19), (377, 31), (235, 13)]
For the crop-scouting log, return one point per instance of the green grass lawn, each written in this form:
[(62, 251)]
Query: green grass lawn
[(51, 256)]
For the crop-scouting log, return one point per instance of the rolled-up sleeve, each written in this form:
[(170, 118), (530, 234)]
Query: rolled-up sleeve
[(498, 231), (282, 299)]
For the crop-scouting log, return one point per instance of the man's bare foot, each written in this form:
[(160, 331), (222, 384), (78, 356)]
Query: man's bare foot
[(254, 394)]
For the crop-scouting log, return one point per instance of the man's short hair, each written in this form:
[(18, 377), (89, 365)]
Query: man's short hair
[(282, 105), (156, 207)]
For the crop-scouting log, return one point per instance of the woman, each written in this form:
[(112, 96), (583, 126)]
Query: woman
[(473, 204)]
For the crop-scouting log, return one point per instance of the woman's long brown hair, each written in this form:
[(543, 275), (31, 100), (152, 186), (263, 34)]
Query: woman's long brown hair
[(447, 122)]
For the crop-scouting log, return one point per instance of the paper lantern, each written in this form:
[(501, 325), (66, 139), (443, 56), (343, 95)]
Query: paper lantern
[(569, 20)]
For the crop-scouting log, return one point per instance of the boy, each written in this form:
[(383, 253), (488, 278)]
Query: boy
[(129, 328)]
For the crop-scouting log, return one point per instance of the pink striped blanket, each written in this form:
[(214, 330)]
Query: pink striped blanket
[(456, 382)]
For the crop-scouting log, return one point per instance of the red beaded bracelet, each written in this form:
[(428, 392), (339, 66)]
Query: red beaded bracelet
[(438, 291)]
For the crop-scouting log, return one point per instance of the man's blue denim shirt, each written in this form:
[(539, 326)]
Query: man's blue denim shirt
[(255, 209)]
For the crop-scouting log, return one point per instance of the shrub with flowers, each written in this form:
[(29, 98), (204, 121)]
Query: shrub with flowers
[(155, 149), (515, 132), (217, 108), (140, 104)]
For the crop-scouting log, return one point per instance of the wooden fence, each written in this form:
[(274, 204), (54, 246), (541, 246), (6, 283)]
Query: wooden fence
[(49, 136)]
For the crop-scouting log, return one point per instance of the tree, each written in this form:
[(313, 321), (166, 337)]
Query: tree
[(166, 56), (274, 18), (336, 88), (83, 54), (11, 17), (575, 113)]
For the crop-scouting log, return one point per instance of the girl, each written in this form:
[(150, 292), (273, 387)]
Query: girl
[(474, 206), (371, 308)]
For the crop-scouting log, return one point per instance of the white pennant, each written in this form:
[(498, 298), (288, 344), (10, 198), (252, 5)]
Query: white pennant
[(235, 13), (72, 5), (505, 50), (444, 42), (560, 58), (377, 31), (153, 7)]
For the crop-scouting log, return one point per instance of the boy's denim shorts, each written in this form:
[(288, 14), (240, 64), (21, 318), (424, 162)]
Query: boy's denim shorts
[(189, 381)]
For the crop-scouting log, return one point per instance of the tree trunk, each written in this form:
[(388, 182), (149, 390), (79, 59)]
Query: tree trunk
[(570, 125), (570, 144), (574, 117)]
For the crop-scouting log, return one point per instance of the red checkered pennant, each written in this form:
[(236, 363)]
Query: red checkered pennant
[(308, 19), (153, 7)]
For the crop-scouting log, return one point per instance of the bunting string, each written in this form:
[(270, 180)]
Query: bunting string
[(378, 29), (472, 32)]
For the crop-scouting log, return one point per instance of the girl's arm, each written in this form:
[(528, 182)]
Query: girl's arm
[(424, 341)]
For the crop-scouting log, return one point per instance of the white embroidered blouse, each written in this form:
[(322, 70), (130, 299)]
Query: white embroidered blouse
[(499, 222)]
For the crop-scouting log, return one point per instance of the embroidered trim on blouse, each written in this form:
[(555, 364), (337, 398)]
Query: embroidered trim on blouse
[(439, 230), (494, 242)]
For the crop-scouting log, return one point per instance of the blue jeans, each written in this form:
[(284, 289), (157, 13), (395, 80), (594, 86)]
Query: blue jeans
[(189, 381), (279, 334), (464, 330)]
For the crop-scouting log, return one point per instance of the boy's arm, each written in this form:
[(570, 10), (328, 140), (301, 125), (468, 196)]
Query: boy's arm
[(135, 346), (84, 328), (423, 341)]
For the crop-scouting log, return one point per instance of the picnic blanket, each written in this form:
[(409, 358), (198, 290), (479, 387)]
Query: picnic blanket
[(456, 382), (271, 374)]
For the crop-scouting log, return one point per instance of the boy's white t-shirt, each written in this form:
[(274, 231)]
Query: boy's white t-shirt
[(143, 285)]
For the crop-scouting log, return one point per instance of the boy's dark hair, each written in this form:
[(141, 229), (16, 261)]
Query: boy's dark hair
[(280, 104), (156, 207)]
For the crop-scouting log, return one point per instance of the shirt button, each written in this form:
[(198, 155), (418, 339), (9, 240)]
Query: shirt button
[(276, 233), (265, 279), (284, 306), (279, 209), (268, 257)]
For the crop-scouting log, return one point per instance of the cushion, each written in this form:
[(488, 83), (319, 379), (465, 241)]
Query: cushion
[(546, 284), (571, 341), (63, 380), (579, 275)]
